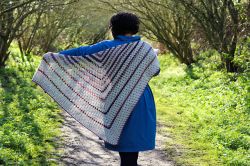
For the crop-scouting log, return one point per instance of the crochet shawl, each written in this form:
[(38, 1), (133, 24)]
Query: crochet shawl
[(99, 90)]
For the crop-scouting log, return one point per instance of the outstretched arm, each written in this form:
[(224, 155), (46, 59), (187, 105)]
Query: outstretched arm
[(85, 50)]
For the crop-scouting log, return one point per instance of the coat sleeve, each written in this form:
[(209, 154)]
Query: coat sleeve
[(85, 50)]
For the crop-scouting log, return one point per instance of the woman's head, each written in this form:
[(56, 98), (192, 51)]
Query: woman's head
[(124, 23)]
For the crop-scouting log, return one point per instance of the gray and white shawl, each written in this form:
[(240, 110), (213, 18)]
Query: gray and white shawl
[(99, 90)]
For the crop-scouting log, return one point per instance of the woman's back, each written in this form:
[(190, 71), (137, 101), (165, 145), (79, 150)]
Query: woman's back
[(140, 130)]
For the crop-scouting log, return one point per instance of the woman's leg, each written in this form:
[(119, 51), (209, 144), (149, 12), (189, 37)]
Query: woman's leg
[(128, 158)]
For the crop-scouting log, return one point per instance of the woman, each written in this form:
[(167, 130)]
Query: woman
[(140, 129)]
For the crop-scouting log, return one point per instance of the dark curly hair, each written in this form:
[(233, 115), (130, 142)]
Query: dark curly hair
[(123, 23)]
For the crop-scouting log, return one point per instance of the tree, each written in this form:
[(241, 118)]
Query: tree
[(220, 21), (12, 16), (26, 41), (61, 27), (90, 27)]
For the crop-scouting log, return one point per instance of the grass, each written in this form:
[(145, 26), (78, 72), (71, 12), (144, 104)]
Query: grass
[(205, 111), (29, 119)]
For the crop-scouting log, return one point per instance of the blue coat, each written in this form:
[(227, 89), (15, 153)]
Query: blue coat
[(140, 130)]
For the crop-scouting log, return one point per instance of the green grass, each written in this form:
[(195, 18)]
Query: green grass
[(29, 119), (205, 111)]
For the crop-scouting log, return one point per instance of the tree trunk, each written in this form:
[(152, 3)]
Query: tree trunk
[(4, 54), (230, 66), (185, 53), (228, 60), (188, 54)]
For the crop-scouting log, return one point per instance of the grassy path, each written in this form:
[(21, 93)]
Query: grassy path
[(81, 147)]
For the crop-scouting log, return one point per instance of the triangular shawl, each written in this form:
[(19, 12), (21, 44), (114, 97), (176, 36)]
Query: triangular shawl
[(99, 90)]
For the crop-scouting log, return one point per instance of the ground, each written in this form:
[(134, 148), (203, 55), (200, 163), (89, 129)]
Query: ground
[(82, 147)]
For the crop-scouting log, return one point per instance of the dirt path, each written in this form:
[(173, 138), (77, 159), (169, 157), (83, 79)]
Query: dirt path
[(81, 147)]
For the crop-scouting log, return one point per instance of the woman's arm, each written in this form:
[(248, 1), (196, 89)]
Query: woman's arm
[(85, 50)]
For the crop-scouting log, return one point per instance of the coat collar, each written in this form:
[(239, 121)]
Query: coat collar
[(128, 38)]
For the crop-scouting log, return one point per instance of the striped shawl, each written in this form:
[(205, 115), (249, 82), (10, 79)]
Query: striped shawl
[(99, 90)]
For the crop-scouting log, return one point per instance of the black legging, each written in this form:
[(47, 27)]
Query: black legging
[(128, 158)]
